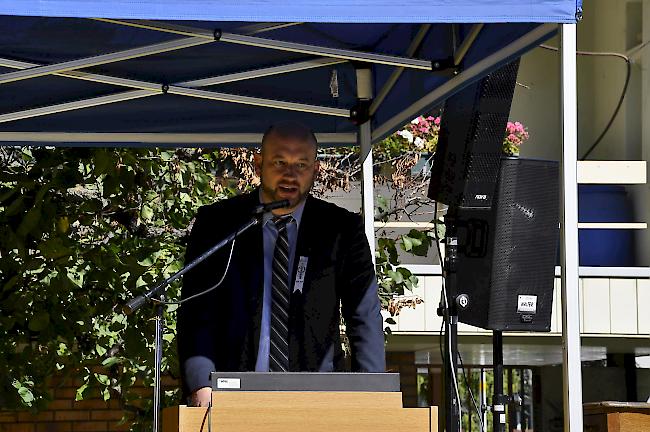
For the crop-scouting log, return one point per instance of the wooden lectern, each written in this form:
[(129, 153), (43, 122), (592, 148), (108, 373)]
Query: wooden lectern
[(302, 411), (616, 417), (270, 407)]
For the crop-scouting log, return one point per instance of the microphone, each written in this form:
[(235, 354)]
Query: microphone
[(263, 208)]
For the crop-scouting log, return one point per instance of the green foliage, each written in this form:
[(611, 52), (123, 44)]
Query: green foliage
[(82, 231)]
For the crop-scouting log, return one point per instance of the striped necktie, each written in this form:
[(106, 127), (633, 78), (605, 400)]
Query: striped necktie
[(279, 335)]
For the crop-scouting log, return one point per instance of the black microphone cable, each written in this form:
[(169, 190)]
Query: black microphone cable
[(628, 75), (202, 293)]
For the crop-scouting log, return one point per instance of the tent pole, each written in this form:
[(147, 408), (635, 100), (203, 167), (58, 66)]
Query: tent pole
[(571, 366), (176, 90), (364, 93), (102, 59), (147, 89), (394, 76), (467, 43), (241, 39), (385, 59), (467, 77), (263, 72), (132, 139), (183, 30)]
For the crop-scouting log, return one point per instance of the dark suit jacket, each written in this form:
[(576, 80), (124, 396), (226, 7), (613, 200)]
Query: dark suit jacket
[(220, 331)]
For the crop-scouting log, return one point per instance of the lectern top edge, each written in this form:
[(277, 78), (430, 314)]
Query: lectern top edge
[(305, 381)]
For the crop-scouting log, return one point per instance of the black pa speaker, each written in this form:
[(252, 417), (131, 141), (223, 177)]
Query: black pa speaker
[(465, 165), (506, 259)]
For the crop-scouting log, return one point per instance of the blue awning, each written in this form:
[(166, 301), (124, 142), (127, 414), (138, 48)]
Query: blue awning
[(340, 11), (154, 98)]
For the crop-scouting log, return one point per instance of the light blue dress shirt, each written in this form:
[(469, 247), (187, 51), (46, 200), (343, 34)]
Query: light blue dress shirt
[(270, 234)]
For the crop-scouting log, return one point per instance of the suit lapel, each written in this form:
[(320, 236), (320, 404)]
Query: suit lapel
[(305, 239), (252, 280)]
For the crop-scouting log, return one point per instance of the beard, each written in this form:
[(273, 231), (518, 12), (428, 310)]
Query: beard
[(290, 191)]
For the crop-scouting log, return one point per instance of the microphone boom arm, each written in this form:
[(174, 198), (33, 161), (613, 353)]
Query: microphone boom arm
[(137, 302)]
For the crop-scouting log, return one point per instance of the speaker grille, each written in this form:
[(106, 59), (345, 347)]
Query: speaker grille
[(466, 164), (521, 251), (480, 167)]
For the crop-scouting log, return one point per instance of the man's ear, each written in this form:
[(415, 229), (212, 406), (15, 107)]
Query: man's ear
[(258, 163), (316, 167)]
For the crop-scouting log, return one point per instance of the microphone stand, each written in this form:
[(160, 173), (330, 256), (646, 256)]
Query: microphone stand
[(448, 309), (157, 294)]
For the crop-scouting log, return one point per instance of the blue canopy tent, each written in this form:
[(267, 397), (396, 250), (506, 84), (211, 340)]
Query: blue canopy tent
[(208, 73)]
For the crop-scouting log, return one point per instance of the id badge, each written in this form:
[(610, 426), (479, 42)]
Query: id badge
[(300, 274)]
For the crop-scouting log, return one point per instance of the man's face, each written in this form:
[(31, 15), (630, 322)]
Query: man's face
[(287, 168)]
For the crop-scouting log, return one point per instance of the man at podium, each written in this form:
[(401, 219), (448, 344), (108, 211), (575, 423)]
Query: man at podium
[(277, 308)]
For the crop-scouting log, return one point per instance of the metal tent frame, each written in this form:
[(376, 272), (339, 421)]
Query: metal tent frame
[(365, 135)]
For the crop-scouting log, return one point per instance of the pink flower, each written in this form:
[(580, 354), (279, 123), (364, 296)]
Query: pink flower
[(514, 139), (436, 121)]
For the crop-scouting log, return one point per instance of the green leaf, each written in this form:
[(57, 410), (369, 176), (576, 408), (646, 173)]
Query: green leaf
[(54, 248), (102, 379), (30, 221), (100, 349), (440, 229), (80, 392), (63, 224), (395, 276), (15, 207), (146, 213), (421, 242), (382, 204), (26, 395), (75, 277), (11, 283), (62, 350), (39, 321), (112, 361), (406, 273), (407, 243), (103, 162)]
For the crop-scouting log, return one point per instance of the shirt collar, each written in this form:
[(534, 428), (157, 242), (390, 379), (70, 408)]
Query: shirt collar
[(297, 213)]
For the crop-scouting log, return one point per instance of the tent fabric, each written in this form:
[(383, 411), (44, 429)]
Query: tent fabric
[(55, 40), (51, 31), (341, 11)]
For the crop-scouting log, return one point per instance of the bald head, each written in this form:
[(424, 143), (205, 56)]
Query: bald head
[(291, 131), (287, 164)]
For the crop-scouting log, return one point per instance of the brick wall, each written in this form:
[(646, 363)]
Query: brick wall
[(64, 414), (93, 414)]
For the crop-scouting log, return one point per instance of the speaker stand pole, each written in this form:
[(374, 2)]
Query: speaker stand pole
[(499, 400), (158, 347), (450, 315)]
